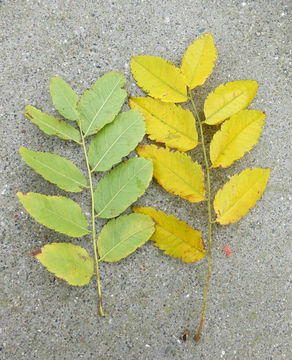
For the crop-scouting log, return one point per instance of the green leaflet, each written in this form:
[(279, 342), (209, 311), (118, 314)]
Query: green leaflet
[(101, 103), (64, 98), (67, 261), (122, 236), (55, 169), (118, 189), (51, 125), (55, 212), (116, 140)]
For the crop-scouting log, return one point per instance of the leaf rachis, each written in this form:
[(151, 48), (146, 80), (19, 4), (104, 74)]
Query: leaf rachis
[(93, 224), (198, 334)]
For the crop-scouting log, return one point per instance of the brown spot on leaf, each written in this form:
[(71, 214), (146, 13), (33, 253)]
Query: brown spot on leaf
[(35, 253), (28, 115)]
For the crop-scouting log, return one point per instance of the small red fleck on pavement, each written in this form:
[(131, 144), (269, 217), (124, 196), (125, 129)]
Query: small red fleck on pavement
[(227, 250)]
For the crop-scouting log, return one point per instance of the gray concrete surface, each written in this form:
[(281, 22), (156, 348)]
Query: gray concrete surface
[(149, 298)]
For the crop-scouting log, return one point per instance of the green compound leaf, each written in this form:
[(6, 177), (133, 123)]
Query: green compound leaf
[(51, 125), (100, 104), (118, 189), (55, 212), (122, 236), (116, 140), (68, 262), (64, 98), (55, 169)]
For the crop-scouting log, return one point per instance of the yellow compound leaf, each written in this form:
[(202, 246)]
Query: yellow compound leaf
[(237, 136), (176, 172), (175, 237), (199, 60), (167, 123), (161, 79), (229, 99), (240, 194)]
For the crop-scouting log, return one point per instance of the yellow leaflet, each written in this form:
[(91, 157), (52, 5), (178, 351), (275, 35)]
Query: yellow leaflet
[(167, 123), (176, 172), (175, 237), (159, 78), (240, 194), (237, 136), (229, 99), (199, 60)]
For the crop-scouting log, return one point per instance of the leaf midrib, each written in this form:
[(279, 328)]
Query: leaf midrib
[(125, 239), (167, 124), (127, 183), (227, 104), (176, 175), (194, 72), (229, 209), (233, 139), (114, 144), (102, 106), (68, 102), (182, 240), (56, 131), (163, 81), (57, 172), (64, 218)]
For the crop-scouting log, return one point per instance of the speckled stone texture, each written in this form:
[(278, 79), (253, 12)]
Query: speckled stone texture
[(149, 298)]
